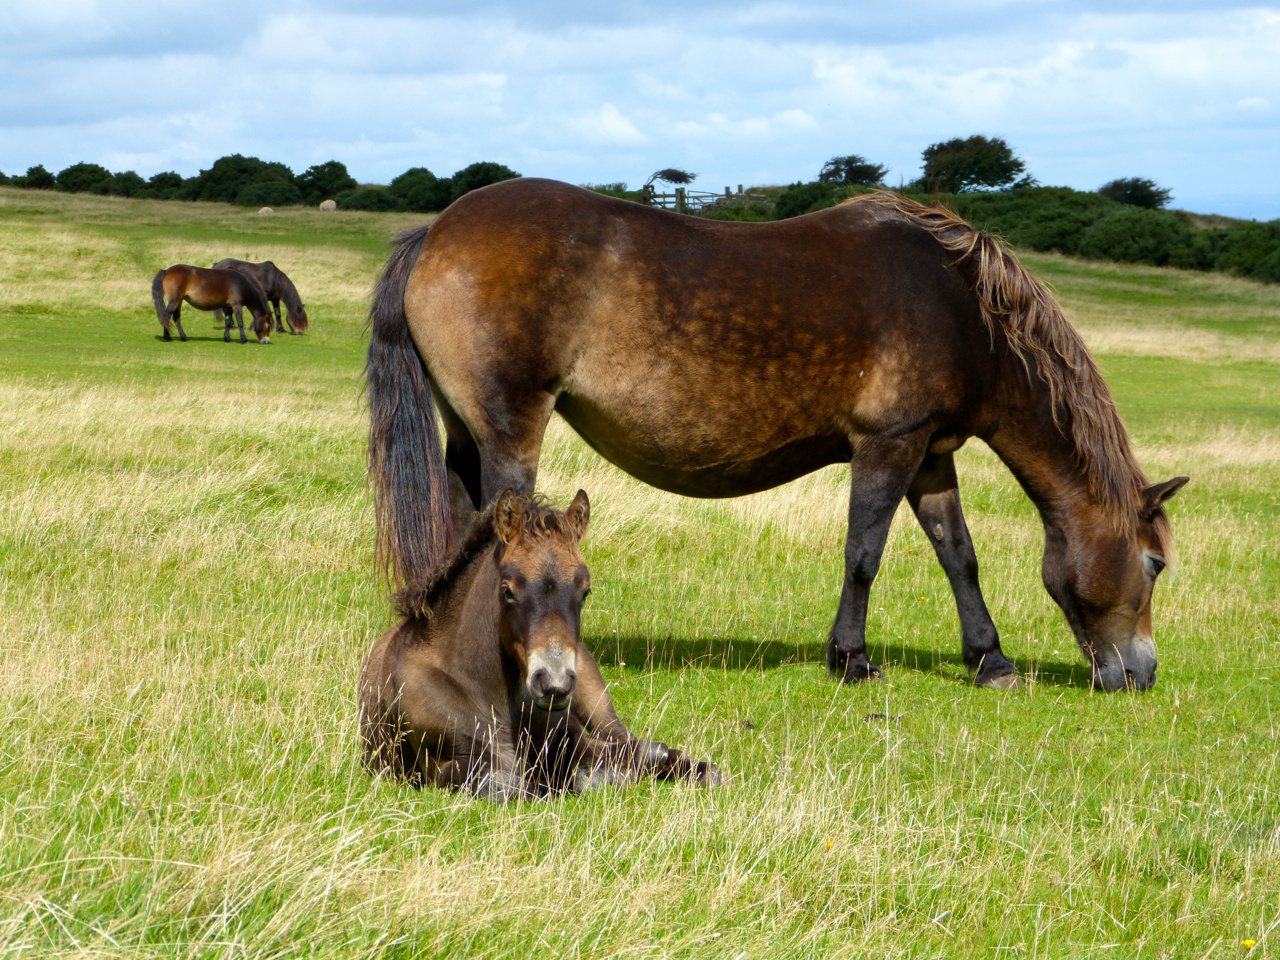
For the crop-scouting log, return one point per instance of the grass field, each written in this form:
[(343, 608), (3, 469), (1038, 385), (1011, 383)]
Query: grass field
[(187, 591)]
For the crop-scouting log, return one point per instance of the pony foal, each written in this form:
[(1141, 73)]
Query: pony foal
[(485, 685)]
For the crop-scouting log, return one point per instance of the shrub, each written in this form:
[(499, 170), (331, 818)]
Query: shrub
[(479, 175), (269, 193), (961, 164), (226, 182), (37, 178), (324, 181), (420, 190), (127, 184), (4, 179), (1140, 235), (82, 177), (852, 170), (1250, 250), (802, 198), (370, 198), (165, 186), (1136, 192), (1042, 218)]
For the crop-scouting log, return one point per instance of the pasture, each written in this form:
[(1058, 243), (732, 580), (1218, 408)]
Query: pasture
[(187, 592)]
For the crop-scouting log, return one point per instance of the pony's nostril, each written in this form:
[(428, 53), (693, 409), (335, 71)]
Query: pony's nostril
[(538, 682)]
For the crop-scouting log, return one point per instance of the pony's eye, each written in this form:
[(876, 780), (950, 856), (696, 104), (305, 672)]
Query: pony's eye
[(1154, 565), (507, 593), (585, 595)]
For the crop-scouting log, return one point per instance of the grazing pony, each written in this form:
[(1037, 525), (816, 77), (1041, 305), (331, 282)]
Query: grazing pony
[(484, 684), (716, 359), (276, 285), (225, 290)]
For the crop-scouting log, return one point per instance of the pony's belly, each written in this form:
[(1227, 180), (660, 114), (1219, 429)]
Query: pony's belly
[(703, 459)]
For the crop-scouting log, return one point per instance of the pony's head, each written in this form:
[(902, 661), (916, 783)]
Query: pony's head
[(542, 584), (1103, 580), (297, 317)]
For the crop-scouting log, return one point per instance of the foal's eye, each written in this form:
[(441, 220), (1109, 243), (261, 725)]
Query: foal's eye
[(1154, 566), (586, 594), (507, 593)]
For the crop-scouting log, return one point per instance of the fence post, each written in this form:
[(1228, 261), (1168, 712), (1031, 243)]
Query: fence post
[(680, 200)]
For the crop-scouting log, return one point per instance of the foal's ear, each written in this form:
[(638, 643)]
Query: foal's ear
[(1156, 494), (508, 516), (578, 515)]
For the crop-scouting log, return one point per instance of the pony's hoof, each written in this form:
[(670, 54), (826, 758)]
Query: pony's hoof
[(1006, 681)]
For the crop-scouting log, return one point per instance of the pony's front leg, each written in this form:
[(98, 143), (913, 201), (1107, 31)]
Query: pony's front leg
[(275, 306), (934, 495), (881, 471), (240, 323), (227, 321)]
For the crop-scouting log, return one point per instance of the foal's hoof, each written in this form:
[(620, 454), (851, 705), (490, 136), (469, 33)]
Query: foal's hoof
[(706, 774), (585, 779), (652, 756)]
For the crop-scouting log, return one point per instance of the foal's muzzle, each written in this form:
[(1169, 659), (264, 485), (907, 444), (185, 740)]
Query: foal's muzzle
[(552, 677)]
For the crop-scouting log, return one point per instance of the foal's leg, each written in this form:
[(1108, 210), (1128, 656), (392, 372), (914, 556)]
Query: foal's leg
[(881, 471), (478, 755), (934, 495)]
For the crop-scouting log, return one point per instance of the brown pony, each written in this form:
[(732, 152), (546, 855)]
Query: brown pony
[(716, 359), (485, 685), (276, 285), (210, 290)]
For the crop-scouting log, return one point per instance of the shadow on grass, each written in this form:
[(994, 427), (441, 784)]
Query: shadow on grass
[(197, 339), (727, 653)]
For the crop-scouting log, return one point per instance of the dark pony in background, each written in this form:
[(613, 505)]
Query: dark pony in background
[(227, 291), (718, 359), (276, 285)]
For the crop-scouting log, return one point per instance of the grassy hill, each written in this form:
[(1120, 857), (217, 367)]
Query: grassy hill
[(187, 591)]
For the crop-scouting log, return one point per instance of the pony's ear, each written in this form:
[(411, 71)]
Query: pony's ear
[(578, 515), (1156, 494), (508, 516)]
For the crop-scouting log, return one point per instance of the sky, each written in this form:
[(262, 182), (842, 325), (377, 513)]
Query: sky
[(1183, 92)]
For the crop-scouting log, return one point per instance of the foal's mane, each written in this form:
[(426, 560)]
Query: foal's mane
[(1038, 332), (420, 599)]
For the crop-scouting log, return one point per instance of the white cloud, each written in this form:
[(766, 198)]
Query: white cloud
[(1084, 91)]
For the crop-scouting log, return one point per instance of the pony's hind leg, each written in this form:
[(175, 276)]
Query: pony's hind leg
[(176, 312), (881, 471), (227, 321), (934, 495)]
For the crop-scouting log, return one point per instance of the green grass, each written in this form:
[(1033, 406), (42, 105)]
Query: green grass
[(187, 591)]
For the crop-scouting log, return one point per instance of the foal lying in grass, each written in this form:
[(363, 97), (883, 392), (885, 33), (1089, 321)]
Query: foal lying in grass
[(484, 684)]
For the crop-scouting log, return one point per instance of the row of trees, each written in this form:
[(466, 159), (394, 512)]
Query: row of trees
[(251, 182), (966, 164)]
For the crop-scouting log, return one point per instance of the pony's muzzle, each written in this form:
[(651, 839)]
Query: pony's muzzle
[(1129, 665)]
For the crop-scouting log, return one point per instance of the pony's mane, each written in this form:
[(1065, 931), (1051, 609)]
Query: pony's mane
[(1021, 307), (418, 600), (288, 292)]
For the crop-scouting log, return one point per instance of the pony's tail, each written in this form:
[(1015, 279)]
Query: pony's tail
[(157, 297), (406, 461)]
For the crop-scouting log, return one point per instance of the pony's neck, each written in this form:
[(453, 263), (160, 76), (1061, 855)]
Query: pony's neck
[(1048, 464)]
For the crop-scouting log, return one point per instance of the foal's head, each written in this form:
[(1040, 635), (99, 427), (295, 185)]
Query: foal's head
[(542, 584)]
